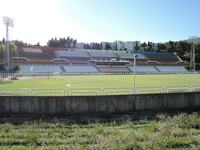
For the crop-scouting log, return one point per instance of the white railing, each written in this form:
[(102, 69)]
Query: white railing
[(93, 91), (93, 86), (6, 74)]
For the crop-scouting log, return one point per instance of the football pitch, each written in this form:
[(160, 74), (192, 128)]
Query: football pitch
[(96, 84)]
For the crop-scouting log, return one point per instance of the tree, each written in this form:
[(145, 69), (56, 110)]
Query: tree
[(137, 47), (171, 46), (62, 42), (143, 46), (13, 49), (162, 46), (197, 54), (95, 46), (150, 46), (108, 47), (38, 44), (3, 41), (182, 47), (1, 52), (20, 43), (86, 46)]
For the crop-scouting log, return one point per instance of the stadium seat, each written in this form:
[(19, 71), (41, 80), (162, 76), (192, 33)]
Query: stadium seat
[(80, 69), (171, 69), (124, 55), (76, 54), (25, 68), (143, 69), (160, 56), (74, 57), (35, 53), (113, 69), (102, 54)]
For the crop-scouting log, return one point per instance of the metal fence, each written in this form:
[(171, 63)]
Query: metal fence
[(48, 84)]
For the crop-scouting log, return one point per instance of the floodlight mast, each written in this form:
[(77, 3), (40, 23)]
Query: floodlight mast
[(192, 54), (8, 22)]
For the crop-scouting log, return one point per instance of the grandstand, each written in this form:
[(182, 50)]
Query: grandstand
[(49, 60), (34, 55), (74, 56)]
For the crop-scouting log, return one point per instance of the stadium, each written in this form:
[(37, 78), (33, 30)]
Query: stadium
[(55, 80), (59, 71), (99, 75)]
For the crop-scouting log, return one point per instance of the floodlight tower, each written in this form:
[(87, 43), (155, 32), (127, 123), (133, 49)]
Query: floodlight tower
[(192, 53), (8, 22)]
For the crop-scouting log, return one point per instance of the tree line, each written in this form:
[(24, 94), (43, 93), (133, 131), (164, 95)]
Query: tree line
[(181, 48), (62, 42), (12, 48)]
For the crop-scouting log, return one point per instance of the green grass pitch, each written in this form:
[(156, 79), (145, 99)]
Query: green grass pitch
[(108, 84)]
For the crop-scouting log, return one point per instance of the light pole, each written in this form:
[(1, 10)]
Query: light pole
[(9, 23), (192, 53), (134, 70), (31, 69)]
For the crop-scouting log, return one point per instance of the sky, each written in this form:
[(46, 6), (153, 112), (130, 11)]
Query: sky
[(101, 20)]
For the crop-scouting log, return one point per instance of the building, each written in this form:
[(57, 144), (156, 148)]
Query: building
[(155, 45), (108, 45), (103, 45), (120, 45), (130, 45), (114, 45)]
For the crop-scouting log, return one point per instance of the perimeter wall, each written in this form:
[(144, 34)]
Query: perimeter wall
[(73, 105)]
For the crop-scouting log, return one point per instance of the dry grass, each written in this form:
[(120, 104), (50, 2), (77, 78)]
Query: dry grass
[(178, 132)]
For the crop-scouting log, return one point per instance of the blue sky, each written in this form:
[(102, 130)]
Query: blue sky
[(105, 20)]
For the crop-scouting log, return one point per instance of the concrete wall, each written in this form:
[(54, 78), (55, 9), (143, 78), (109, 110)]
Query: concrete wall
[(98, 105)]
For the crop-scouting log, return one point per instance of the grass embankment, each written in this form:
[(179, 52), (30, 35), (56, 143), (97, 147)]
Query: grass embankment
[(178, 132)]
